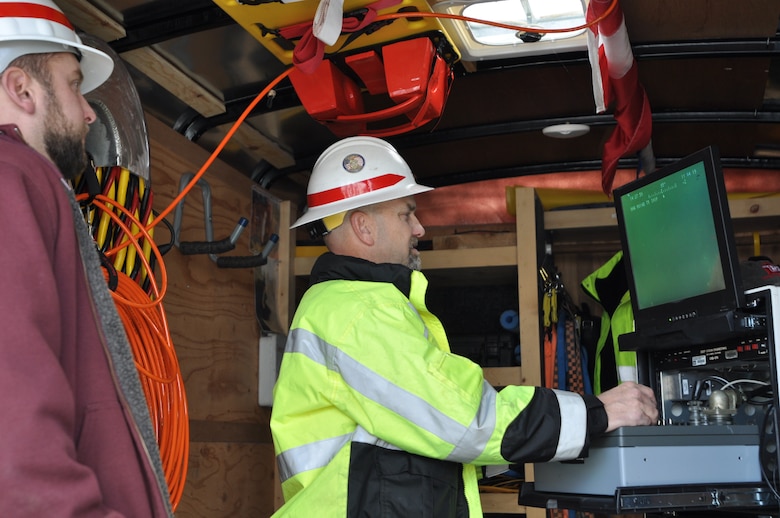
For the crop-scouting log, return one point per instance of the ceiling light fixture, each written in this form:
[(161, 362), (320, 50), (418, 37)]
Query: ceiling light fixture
[(567, 130)]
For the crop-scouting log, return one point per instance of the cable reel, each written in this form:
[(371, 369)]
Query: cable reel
[(375, 76), (412, 76)]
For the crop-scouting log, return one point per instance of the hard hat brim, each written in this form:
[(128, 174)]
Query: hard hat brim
[(96, 65)]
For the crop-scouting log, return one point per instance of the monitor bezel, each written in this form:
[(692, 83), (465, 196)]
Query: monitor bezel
[(674, 316)]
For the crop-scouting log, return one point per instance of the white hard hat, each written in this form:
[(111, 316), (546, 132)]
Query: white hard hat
[(38, 27), (355, 172)]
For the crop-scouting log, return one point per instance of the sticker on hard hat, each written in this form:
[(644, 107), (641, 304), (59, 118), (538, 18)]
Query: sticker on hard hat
[(353, 163)]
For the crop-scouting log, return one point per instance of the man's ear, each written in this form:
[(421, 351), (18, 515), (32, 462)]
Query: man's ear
[(362, 226), (18, 86)]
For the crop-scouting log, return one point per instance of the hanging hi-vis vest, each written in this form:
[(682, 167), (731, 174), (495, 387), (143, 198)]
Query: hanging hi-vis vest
[(372, 412), (609, 287)]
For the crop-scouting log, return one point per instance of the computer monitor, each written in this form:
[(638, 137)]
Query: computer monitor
[(679, 250)]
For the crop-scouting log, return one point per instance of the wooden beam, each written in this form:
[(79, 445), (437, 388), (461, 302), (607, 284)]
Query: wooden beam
[(261, 147), (528, 286), (528, 298), (171, 77), (163, 71), (92, 20), (168, 75)]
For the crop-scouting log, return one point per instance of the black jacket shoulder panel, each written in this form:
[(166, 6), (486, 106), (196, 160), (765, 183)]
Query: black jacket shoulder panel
[(330, 267)]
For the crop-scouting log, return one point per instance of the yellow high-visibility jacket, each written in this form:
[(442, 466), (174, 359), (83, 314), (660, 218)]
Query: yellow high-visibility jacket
[(373, 416), (609, 287)]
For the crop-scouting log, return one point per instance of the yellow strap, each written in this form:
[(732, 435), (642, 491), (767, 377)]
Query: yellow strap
[(546, 309), (554, 305)]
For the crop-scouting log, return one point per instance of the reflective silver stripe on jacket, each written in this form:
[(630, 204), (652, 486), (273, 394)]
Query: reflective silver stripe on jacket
[(425, 328), (573, 430), (318, 454), (309, 456), (468, 442)]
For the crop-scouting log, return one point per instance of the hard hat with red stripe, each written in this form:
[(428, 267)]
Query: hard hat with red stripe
[(39, 27), (356, 172)]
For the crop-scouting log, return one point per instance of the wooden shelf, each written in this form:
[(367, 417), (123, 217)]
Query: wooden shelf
[(501, 503), (470, 258), (504, 376)]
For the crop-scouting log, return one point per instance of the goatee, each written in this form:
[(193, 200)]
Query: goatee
[(415, 262)]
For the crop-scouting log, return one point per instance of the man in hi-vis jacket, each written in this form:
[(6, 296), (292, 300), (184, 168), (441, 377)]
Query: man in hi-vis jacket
[(373, 416)]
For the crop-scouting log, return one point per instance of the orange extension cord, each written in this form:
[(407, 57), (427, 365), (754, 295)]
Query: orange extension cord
[(147, 331)]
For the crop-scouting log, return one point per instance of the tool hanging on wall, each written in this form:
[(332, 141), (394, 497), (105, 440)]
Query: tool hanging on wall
[(210, 246), (565, 359), (563, 354), (549, 317)]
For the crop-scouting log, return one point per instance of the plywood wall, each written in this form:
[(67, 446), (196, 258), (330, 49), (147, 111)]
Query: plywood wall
[(211, 314)]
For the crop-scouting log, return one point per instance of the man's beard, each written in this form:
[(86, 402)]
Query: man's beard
[(64, 145), (415, 261)]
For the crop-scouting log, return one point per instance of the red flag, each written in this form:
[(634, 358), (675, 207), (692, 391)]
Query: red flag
[(616, 83)]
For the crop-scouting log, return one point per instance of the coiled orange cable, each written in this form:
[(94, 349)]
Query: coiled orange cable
[(147, 330)]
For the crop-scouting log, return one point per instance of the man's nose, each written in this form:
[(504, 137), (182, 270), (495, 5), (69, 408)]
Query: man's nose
[(89, 114), (417, 229)]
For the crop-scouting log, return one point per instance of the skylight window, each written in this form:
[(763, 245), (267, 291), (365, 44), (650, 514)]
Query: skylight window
[(541, 14), (478, 41)]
